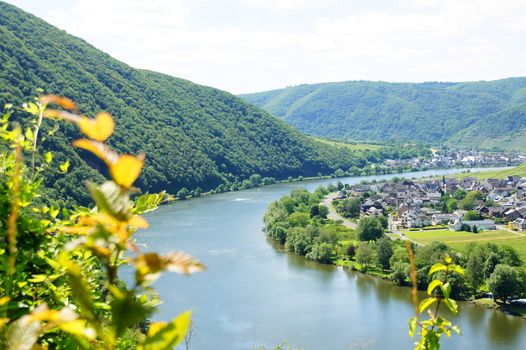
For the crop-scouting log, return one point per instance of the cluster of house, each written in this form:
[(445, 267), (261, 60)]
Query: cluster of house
[(459, 158), (414, 202)]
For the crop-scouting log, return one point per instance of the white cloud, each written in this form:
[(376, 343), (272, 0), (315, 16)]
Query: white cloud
[(403, 40), (287, 4)]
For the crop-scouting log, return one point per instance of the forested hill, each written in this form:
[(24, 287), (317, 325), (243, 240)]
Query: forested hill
[(193, 136), (486, 113)]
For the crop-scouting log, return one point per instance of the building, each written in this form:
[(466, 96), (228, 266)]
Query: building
[(481, 225), (442, 219), (519, 224)]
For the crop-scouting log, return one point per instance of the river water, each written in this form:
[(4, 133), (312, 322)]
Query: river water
[(255, 295)]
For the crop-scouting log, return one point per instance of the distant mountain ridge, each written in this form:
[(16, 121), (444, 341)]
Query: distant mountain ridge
[(486, 113), (193, 136)]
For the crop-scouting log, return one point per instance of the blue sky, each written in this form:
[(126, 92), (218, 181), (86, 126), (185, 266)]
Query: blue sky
[(254, 45)]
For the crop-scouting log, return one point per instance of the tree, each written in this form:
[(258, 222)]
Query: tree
[(288, 204), (504, 282), (255, 180), (323, 211), (465, 227), (384, 251), (383, 221), (351, 207), (197, 192), (365, 254), (322, 253), (399, 273), (278, 233), (472, 215), (299, 219), (314, 210), (183, 193), (369, 229), (492, 260), (509, 256), (466, 203), (460, 194), (452, 205), (475, 268), (351, 251)]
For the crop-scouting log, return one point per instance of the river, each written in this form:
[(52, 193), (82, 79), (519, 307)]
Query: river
[(254, 295)]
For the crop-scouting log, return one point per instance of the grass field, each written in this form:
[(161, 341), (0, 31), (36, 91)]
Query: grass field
[(459, 240), (495, 174), (352, 146)]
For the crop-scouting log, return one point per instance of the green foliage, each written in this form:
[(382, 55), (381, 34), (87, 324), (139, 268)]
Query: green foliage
[(439, 292), (369, 228), (299, 222), (350, 208), (183, 193), (505, 281), (60, 266), (194, 136), (366, 253), (472, 215), (400, 271), (384, 252), (459, 113), (323, 253)]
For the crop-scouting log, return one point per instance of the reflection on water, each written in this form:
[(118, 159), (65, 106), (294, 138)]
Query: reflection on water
[(254, 294)]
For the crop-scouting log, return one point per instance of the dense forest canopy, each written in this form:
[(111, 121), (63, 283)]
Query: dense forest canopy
[(456, 113), (194, 136)]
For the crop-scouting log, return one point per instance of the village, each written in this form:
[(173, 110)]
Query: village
[(451, 158), (466, 204)]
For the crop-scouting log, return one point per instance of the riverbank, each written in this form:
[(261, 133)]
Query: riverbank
[(509, 309), (298, 224), (173, 197), (246, 270)]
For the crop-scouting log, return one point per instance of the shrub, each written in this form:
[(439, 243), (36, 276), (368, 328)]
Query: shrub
[(59, 287)]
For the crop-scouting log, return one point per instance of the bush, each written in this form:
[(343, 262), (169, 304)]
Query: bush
[(59, 267)]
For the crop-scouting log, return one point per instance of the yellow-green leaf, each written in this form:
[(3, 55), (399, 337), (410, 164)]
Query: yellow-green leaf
[(431, 287), (31, 108), (451, 304), (126, 169), (446, 289), (29, 134), (97, 148), (64, 166), (457, 269), (436, 268), (48, 157), (424, 304), (169, 336), (38, 278), (98, 129), (413, 322), (4, 300)]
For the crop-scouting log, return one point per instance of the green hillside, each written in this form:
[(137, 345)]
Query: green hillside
[(194, 136), (477, 114)]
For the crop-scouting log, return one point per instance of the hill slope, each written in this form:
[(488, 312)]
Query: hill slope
[(460, 113), (192, 135)]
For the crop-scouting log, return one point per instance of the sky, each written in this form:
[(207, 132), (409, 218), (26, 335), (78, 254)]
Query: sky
[(255, 45)]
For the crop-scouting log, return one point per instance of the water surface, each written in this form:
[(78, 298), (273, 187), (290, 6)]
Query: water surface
[(255, 295)]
